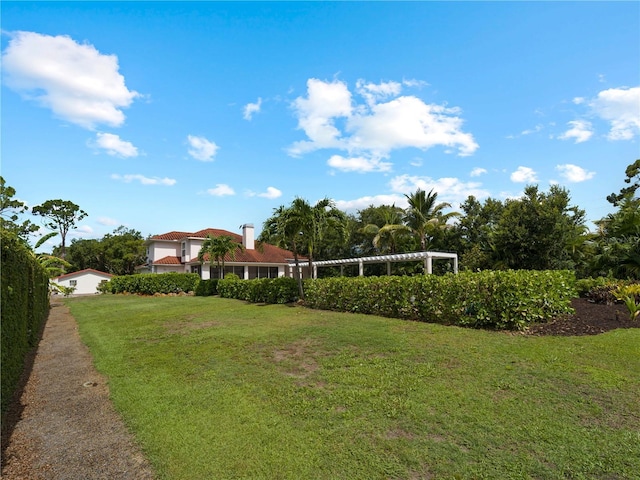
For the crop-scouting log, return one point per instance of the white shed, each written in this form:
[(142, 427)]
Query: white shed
[(84, 281)]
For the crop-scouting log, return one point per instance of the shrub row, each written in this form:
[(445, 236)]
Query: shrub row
[(260, 290), (150, 283), (489, 299), (24, 297), (206, 288)]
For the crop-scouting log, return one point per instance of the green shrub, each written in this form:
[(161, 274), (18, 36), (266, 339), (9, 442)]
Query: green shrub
[(206, 288), (260, 290), (502, 299), (151, 283), (24, 294)]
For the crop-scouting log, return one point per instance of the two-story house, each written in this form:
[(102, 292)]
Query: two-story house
[(178, 252)]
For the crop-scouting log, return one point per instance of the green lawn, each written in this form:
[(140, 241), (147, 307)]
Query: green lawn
[(218, 389)]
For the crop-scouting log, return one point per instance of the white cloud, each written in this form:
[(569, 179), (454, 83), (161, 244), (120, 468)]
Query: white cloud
[(316, 113), (416, 162), (77, 82), (529, 131), (115, 146), (573, 173), (376, 200), (358, 164), (476, 172), (373, 92), (373, 128), (580, 130), (578, 100), (201, 148), (221, 190), (449, 189), (409, 122), (524, 174), (106, 221), (621, 108), (86, 229), (271, 193), (251, 108), (144, 180)]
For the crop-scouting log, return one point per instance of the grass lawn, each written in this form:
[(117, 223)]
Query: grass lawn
[(217, 389)]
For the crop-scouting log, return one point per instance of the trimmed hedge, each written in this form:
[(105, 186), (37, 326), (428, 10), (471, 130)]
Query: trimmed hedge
[(260, 290), (24, 297), (150, 283), (490, 299), (206, 288)]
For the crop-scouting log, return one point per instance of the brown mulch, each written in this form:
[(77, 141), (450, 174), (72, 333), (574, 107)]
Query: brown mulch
[(62, 424), (589, 319)]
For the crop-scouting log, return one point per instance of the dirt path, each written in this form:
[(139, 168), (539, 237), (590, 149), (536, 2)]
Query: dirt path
[(67, 427)]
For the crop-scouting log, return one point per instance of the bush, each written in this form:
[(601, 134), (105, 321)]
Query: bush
[(206, 288), (260, 290), (151, 283), (24, 294), (504, 300)]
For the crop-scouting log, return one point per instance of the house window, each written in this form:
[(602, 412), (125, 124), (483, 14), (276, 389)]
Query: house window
[(73, 283), (196, 269), (184, 249), (267, 272)]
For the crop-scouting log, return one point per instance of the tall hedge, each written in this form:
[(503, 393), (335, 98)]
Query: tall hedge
[(490, 299), (24, 300), (150, 283)]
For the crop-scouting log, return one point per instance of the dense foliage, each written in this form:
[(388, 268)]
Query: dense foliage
[(25, 304), (492, 299), (117, 253), (206, 288), (260, 290), (151, 283)]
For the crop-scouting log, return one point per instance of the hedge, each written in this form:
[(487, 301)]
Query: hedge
[(206, 288), (24, 303), (260, 290), (490, 299), (150, 283)]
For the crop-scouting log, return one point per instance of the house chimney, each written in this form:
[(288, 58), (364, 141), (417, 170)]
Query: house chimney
[(247, 236)]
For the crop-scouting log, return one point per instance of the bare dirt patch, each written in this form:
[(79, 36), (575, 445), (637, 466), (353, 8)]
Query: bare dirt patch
[(63, 425)]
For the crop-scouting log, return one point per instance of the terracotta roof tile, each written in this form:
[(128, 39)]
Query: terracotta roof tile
[(168, 261), (263, 253)]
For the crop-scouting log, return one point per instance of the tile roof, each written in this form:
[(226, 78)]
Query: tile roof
[(263, 253), (80, 272), (168, 261)]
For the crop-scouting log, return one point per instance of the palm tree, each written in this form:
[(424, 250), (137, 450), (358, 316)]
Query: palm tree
[(424, 216), (386, 237), (283, 229), (217, 248)]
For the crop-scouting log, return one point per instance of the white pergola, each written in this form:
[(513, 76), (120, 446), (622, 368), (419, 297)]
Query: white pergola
[(427, 257)]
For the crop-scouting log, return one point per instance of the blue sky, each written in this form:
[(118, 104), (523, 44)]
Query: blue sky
[(168, 116)]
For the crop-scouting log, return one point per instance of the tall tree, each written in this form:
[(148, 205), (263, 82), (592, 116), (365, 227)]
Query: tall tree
[(534, 231), (60, 215), (10, 211), (425, 217), (633, 174), (217, 248)]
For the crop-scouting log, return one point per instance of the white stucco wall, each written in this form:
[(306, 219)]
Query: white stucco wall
[(159, 249), (85, 282)]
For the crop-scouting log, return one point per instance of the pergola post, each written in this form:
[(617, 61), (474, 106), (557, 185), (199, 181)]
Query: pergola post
[(429, 265), (315, 271), (455, 264), (389, 268), (361, 268)]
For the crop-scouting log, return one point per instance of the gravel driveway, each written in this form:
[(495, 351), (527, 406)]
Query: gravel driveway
[(65, 425)]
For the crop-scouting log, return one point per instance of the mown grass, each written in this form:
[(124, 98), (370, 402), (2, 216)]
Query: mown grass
[(218, 389)]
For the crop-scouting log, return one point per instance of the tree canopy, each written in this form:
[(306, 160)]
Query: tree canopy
[(60, 215)]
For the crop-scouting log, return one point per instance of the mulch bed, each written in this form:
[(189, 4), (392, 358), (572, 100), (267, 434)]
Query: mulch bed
[(589, 319)]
